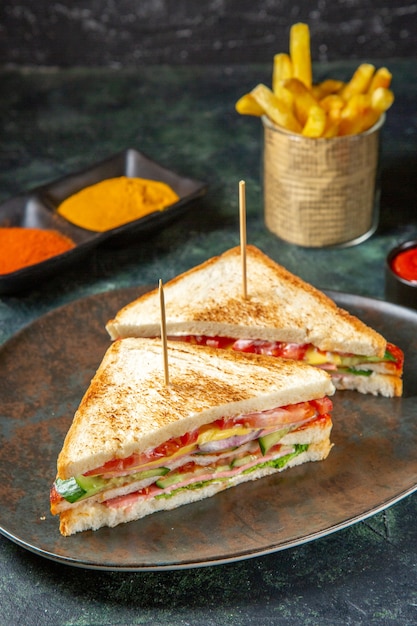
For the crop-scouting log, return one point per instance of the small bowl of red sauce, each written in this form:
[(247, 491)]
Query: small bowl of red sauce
[(401, 274)]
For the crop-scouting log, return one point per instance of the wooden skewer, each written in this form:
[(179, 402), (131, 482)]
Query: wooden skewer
[(164, 333), (242, 220)]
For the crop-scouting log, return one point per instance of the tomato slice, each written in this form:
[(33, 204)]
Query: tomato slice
[(118, 465), (321, 420), (323, 405), (205, 340), (170, 447), (122, 466), (252, 346), (398, 355), (281, 349), (280, 416), (187, 467), (54, 496)]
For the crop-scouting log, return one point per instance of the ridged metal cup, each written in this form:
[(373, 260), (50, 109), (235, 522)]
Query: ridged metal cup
[(321, 192)]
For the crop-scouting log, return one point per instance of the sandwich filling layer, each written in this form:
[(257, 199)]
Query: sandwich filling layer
[(215, 452), (338, 364)]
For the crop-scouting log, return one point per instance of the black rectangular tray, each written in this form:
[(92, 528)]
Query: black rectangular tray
[(37, 209)]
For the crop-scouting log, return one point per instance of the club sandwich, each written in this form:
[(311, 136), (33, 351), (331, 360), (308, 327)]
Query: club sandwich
[(138, 445), (281, 315)]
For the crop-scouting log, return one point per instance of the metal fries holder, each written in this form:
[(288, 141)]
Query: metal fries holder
[(321, 192)]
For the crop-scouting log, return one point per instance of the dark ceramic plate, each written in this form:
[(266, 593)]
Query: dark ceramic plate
[(37, 209), (44, 370)]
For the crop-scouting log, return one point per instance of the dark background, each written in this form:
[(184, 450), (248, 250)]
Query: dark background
[(115, 33), (56, 121)]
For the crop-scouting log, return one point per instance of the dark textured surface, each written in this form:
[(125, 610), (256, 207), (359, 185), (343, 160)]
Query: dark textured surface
[(138, 32), (54, 122)]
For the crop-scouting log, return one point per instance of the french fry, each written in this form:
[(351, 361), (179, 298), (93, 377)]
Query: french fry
[(300, 53), (353, 113), (316, 122), (331, 128), (327, 109), (364, 110), (368, 120), (284, 95), (247, 105), (296, 86), (281, 70), (276, 110), (381, 78), (333, 105), (382, 99), (356, 106), (326, 88), (303, 99), (350, 127), (359, 82)]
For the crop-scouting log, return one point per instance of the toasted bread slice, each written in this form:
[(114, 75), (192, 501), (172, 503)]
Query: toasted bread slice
[(208, 300), (129, 410), (280, 307)]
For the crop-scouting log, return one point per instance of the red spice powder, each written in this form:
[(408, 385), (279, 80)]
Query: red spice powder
[(20, 247)]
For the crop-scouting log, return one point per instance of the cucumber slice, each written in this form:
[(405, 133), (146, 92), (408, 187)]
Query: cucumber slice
[(94, 484), (69, 489), (163, 483), (243, 460), (158, 471), (90, 484), (268, 441), (81, 487)]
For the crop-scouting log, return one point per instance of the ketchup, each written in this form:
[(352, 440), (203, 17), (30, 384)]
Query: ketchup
[(404, 264)]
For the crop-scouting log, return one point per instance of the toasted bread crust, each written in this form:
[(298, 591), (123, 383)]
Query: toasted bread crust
[(280, 306)]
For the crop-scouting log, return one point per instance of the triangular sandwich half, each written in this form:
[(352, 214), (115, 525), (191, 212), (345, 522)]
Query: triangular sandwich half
[(138, 445), (281, 316)]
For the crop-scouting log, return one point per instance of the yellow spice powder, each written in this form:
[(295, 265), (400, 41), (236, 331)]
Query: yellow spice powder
[(116, 201)]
